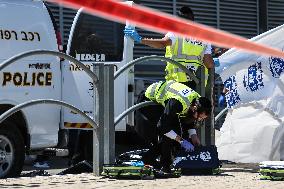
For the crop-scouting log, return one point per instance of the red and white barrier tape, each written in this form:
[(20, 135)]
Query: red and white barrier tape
[(162, 22)]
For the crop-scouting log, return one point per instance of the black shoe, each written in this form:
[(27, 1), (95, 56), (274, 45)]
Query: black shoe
[(152, 162), (166, 172), (162, 173)]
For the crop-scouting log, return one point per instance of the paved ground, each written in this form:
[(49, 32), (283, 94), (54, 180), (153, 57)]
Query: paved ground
[(57, 164), (233, 176)]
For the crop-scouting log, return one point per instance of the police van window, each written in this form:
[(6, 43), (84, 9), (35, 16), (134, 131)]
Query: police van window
[(97, 39)]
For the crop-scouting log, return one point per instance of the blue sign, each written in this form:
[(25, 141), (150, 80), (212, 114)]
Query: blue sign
[(276, 66), (253, 81), (232, 96)]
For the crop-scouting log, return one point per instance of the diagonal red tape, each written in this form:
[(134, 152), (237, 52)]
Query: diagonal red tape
[(162, 22)]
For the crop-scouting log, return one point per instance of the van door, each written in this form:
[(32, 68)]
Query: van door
[(94, 40)]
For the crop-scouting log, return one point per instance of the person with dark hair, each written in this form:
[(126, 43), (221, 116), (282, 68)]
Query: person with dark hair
[(187, 51), (183, 108)]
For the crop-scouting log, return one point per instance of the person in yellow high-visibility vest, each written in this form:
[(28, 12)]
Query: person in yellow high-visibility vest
[(183, 108), (188, 51)]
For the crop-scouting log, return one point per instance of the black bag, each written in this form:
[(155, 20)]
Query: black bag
[(81, 167), (146, 172), (131, 155), (203, 160)]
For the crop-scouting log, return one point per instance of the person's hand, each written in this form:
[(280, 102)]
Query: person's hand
[(221, 100), (195, 140), (187, 146), (133, 34), (216, 62)]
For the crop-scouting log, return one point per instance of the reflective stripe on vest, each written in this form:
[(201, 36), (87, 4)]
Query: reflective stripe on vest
[(152, 90), (177, 70), (186, 100), (177, 53), (164, 90), (187, 57), (175, 92), (178, 91), (180, 55)]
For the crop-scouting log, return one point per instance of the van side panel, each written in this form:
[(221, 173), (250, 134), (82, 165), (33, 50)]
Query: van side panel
[(25, 26)]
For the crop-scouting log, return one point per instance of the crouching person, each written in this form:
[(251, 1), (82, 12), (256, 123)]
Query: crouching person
[(183, 107)]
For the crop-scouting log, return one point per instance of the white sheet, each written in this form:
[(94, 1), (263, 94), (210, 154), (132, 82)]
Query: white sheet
[(253, 130)]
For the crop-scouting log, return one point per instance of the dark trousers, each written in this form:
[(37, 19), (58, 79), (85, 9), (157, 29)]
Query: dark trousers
[(80, 146), (146, 120), (165, 148)]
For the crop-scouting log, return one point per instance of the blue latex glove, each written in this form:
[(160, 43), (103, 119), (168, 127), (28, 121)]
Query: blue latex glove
[(216, 62), (221, 100), (187, 146), (137, 163), (133, 34)]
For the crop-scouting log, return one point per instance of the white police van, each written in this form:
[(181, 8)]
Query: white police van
[(28, 25)]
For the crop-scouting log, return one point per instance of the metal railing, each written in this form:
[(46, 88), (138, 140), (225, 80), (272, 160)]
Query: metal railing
[(103, 78), (23, 105), (97, 164), (154, 57), (132, 109), (221, 114)]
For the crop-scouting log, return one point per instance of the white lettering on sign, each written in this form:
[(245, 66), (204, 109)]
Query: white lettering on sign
[(178, 159), (185, 92), (91, 57), (205, 156), (191, 67)]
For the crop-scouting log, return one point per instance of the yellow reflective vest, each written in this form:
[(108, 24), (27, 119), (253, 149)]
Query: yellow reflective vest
[(188, 54), (160, 92)]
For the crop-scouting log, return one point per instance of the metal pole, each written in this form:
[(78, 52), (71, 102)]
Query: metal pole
[(221, 114), (128, 50), (96, 153), (109, 129), (18, 107), (174, 7), (218, 13), (201, 91), (155, 57), (131, 109), (210, 122), (98, 134)]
